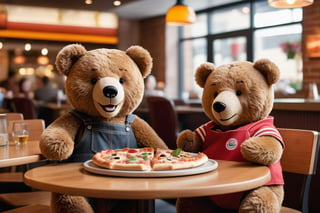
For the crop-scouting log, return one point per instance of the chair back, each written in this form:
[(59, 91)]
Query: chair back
[(299, 163), (35, 127), (163, 119), (14, 116), (24, 106)]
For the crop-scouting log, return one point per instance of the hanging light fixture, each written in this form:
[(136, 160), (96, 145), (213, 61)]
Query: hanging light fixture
[(180, 14), (289, 3)]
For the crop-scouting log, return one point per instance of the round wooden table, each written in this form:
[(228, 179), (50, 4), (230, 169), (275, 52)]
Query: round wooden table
[(71, 178)]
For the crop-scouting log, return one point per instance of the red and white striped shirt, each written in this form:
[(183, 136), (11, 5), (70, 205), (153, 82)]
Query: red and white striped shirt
[(220, 145)]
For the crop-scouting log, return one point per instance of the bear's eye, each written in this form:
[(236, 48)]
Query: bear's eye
[(215, 94), (94, 81), (238, 93), (122, 80)]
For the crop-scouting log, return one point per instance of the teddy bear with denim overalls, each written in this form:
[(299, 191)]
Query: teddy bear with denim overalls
[(104, 87)]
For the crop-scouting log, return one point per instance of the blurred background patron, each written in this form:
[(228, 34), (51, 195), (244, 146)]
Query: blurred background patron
[(45, 92)]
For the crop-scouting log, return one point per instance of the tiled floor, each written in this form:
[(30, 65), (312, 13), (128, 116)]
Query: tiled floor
[(162, 206)]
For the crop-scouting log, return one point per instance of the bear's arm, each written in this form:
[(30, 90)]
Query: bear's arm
[(57, 140), (189, 141), (264, 150), (145, 135)]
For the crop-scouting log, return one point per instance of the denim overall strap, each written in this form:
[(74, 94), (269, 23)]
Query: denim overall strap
[(99, 136), (129, 120)]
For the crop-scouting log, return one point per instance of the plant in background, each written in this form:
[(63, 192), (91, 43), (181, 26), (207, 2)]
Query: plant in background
[(291, 49)]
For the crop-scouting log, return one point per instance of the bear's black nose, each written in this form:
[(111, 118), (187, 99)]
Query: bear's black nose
[(219, 106), (110, 91)]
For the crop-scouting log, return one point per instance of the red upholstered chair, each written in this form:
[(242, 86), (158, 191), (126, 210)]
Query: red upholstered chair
[(163, 119), (24, 106)]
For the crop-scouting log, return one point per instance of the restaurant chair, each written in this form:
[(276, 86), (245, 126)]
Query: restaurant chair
[(12, 176), (19, 199), (25, 106), (35, 127), (163, 119), (299, 163), (14, 116)]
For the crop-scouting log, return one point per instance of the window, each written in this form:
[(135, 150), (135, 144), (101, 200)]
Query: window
[(230, 19), (264, 15), (263, 32), (226, 50), (275, 44), (197, 29), (197, 56)]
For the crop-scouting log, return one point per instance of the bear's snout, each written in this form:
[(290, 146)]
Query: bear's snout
[(108, 96), (219, 106), (110, 91)]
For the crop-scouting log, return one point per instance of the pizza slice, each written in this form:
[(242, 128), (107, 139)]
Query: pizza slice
[(125, 159), (177, 159)]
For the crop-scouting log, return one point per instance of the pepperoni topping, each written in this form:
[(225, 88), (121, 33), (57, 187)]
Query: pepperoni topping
[(132, 151)]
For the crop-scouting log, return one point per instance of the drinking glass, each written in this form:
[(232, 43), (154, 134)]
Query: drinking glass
[(3, 130), (20, 132)]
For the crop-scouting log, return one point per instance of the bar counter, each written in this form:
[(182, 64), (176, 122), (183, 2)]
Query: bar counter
[(297, 113), (296, 104)]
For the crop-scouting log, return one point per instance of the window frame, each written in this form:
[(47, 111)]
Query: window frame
[(247, 33)]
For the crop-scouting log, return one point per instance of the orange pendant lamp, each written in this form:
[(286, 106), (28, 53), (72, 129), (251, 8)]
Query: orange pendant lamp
[(180, 14), (289, 3)]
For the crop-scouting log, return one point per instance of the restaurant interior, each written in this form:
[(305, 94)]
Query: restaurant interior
[(219, 31)]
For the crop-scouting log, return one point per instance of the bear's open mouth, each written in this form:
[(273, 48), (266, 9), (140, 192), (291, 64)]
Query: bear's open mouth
[(109, 107), (225, 119)]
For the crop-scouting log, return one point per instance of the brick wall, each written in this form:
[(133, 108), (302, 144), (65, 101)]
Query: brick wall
[(311, 26)]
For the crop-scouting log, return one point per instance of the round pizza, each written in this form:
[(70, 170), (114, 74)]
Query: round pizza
[(147, 159)]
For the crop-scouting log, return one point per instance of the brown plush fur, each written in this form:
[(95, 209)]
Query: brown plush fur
[(85, 71), (254, 81)]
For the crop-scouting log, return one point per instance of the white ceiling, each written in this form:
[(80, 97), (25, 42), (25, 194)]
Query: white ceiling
[(149, 8), (130, 9)]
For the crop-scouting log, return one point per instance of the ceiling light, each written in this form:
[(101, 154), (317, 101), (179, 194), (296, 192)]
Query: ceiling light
[(116, 3), (88, 1), (180, 14), (44, 51), (289, 3), (27, 47)]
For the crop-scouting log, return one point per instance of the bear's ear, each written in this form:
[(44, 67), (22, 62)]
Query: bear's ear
[(202, 73), (68, 56), (269, 70), (142, 58)]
